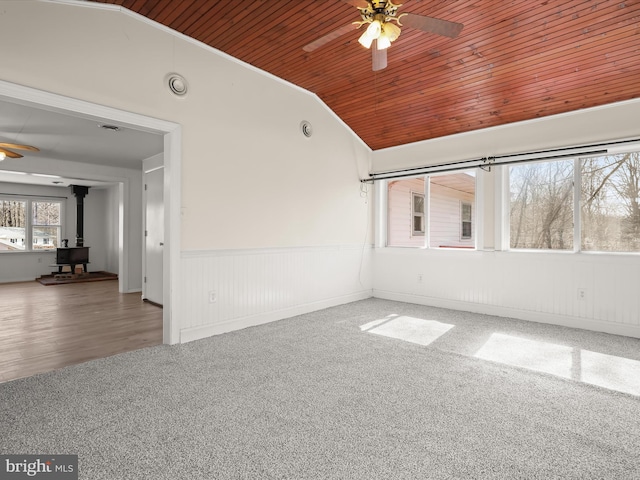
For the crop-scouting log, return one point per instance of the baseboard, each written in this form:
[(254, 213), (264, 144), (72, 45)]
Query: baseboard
[(196, 333), (19, 280), (550, 318)]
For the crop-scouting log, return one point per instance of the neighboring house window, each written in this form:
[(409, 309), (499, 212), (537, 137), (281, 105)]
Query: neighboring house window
[(20, 231), (542, 213), (415, 220), (417, 213), (465, 214)]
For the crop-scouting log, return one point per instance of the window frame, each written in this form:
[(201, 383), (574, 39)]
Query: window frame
[(463, 221), (422, 215), (29, 201), (382, 232), (34, 226), (577, 210)]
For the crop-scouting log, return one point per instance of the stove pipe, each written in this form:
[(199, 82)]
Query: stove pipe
[(80, 192)]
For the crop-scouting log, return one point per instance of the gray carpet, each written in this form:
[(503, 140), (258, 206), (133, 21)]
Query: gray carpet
[(318, 397)]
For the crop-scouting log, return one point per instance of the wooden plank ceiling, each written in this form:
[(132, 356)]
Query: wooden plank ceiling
[(514, 60)]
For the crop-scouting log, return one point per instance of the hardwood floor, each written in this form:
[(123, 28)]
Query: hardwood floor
[(44, 328)]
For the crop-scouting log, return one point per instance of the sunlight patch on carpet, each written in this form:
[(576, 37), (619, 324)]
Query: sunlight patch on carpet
[(608, 371), (409, 329)]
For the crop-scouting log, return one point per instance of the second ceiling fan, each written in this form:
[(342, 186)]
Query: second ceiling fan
[(379, 17), (6, 152)]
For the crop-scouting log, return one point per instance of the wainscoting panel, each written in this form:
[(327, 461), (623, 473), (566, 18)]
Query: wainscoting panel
[(224, 290), (591, 291)]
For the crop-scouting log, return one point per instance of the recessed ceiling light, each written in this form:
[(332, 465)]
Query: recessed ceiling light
[(111, 128)]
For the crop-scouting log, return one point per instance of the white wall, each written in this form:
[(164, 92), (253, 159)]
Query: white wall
[(250, 179), (540, 286), (111, 219)]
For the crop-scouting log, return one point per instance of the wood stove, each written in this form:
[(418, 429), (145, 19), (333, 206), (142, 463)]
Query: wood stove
[(72, 256)]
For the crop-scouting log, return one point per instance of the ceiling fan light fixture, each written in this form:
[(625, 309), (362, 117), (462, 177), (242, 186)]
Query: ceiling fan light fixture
[(371, 33), (383, 42), (391, 31), (2, 156), (365, 40)]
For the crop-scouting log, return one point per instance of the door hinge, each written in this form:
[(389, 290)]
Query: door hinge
[(145, 187), (146, 233), (145, 279)]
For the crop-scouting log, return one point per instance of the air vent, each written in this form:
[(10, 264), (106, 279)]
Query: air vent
[(306, 129), (177, 84)]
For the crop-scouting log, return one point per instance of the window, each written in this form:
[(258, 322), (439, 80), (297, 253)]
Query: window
[(610, 203), (45, 231), (417, 213), (542, 205), (19, 231), (586, 204), (13, 223), (431, 211), (465, 214)]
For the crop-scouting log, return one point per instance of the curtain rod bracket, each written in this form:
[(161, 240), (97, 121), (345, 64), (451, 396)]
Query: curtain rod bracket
[(486, 163)]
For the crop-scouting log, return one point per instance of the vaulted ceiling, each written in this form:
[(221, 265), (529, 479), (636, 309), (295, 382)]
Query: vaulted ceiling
[(514, 60)]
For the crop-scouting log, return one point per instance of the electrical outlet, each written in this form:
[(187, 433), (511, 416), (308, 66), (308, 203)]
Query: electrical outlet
[(582, 293), (213, 297), (419, 278)]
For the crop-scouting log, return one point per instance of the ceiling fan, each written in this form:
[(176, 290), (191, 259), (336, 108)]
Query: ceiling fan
[(379, 16), (5, 152)]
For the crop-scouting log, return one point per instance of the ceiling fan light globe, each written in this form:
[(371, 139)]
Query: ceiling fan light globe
[(391, 31), (365, 40), (383, 42), (2, 156), (374, 29)]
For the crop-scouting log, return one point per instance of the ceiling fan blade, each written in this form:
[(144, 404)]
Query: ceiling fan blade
[(378, 57), (430, 24), (322, 41), (9, 153), (19, 147), (357, 3)]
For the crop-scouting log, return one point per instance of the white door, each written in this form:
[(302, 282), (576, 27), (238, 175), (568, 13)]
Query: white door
[(154, 235)]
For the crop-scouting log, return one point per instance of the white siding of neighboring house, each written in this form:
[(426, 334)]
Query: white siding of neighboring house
[(446, 217), (400, 233)]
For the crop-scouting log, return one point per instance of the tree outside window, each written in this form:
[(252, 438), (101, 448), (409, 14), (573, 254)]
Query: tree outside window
[(542, 204), (12, 224)]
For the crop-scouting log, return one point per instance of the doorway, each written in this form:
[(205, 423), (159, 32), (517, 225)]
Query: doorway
[(171, 157)]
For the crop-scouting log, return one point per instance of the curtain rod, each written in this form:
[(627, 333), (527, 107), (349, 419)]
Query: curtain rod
[(26, 195), (507, 159)]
